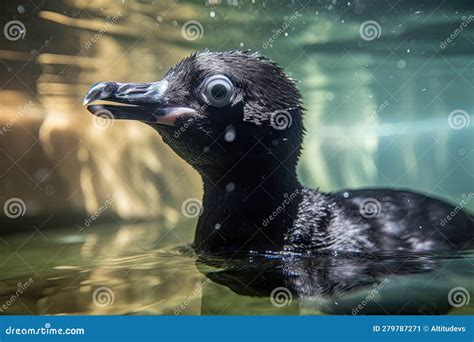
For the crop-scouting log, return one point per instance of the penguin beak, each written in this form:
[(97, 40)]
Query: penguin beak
[(144, 102)]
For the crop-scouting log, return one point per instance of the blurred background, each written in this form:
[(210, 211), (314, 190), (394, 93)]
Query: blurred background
[(388, 88)]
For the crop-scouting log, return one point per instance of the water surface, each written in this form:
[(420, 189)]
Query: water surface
[(141, 269)]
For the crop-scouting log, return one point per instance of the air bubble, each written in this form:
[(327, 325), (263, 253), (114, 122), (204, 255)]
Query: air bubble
[(230, 135), (401, 64), (230, 187)]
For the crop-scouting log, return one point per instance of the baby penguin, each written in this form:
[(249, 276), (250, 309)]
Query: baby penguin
[(237, 119)]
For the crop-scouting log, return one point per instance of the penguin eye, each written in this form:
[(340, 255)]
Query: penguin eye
[(218, 91)]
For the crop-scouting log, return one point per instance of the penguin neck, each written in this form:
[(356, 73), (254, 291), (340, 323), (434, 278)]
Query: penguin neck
[(248, 208)]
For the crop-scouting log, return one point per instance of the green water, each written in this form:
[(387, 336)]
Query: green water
[(139, 269), (394, 111)]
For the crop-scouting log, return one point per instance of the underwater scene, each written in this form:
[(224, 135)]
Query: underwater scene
[(98, 216)]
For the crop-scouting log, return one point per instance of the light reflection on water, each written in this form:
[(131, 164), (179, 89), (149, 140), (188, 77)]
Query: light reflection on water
[(64, 166), (140, 269)]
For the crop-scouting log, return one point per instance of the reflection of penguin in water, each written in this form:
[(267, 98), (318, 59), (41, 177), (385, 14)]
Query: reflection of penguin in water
[(237, 119), (336, 284)]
